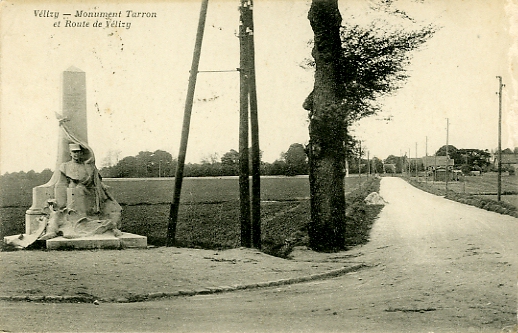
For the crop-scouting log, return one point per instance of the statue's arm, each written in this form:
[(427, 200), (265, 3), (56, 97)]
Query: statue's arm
[(71, 181)]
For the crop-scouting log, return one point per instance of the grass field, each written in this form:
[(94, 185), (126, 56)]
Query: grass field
[(134, 191), (206, 190), (208, 214), (485, 186)]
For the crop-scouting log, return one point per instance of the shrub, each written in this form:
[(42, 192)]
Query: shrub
[(466, 169)]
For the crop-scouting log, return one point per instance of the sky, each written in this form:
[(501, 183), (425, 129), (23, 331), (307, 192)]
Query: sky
[(137, 77)]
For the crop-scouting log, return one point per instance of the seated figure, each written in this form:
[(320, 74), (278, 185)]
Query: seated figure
[(90, 206), (76, 170), (89, 210), (80, 178)]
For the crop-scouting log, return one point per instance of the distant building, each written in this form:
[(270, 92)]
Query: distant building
[(440, 167), (507, 160), (434, 162)]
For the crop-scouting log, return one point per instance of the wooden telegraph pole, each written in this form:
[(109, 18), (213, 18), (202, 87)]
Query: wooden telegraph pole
[(250, 229), (254, 126), (499, 190), (426, 161), (416, 173), (368, 164), (447, 154), (409, 164), (244, 172), (250, 232), (173, 212), (360, 160)]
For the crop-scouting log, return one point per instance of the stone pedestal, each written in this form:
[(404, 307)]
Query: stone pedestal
[(103, 241)]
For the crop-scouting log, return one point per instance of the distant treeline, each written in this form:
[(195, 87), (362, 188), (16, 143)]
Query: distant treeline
[(30, 177), (161, 164), (293, 162)]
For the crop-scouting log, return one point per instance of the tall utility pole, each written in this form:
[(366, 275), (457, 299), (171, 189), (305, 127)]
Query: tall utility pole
[(173, 212), (500, 85), (416, 174), (403, 162), (360, 160), (254, 126), (250, 229), (434, 167), (409, 164), (447, 156), (426, 161), (368, 163), (360, 166), (244, 171)]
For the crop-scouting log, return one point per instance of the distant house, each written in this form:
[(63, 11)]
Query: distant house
[(508, 160), (440, 167), (414, 161), (434, 162)]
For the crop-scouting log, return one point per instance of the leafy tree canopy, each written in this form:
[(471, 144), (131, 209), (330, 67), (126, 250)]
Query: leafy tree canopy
[(442, 151), (373, 64), (296, 160), (475, 157), (470, 157), (230, 158)]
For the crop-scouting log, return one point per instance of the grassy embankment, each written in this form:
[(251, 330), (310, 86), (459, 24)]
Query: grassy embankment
[(478, 191)]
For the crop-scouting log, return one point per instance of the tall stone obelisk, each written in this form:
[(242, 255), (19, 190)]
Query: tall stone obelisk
[(74, 209), (74, 113), (73, 109)]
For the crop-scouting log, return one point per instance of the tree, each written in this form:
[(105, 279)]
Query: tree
[(160, 164), (467, 159), (146, 164), (354, 66), (376, 165), (230, 163), (453, 153), (396, 161), (296, 160), (127, 167), (277, 168), (474, 158), (210, 159), (326, 130), (230, 158), (45, 175)]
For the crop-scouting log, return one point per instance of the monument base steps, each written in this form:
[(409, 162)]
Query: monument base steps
[(103, 241)]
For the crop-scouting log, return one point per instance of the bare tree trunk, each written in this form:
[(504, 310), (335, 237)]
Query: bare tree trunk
[(327, 131)]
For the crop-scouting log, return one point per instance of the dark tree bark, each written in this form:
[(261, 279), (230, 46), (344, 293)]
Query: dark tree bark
[(327, 130)]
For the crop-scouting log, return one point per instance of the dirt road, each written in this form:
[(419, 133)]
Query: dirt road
[(433, 266)]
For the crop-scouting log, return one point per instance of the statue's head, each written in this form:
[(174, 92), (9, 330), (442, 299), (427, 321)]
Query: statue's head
[(76, 151)]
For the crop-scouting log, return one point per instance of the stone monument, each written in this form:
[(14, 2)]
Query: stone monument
[(74, 209)]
